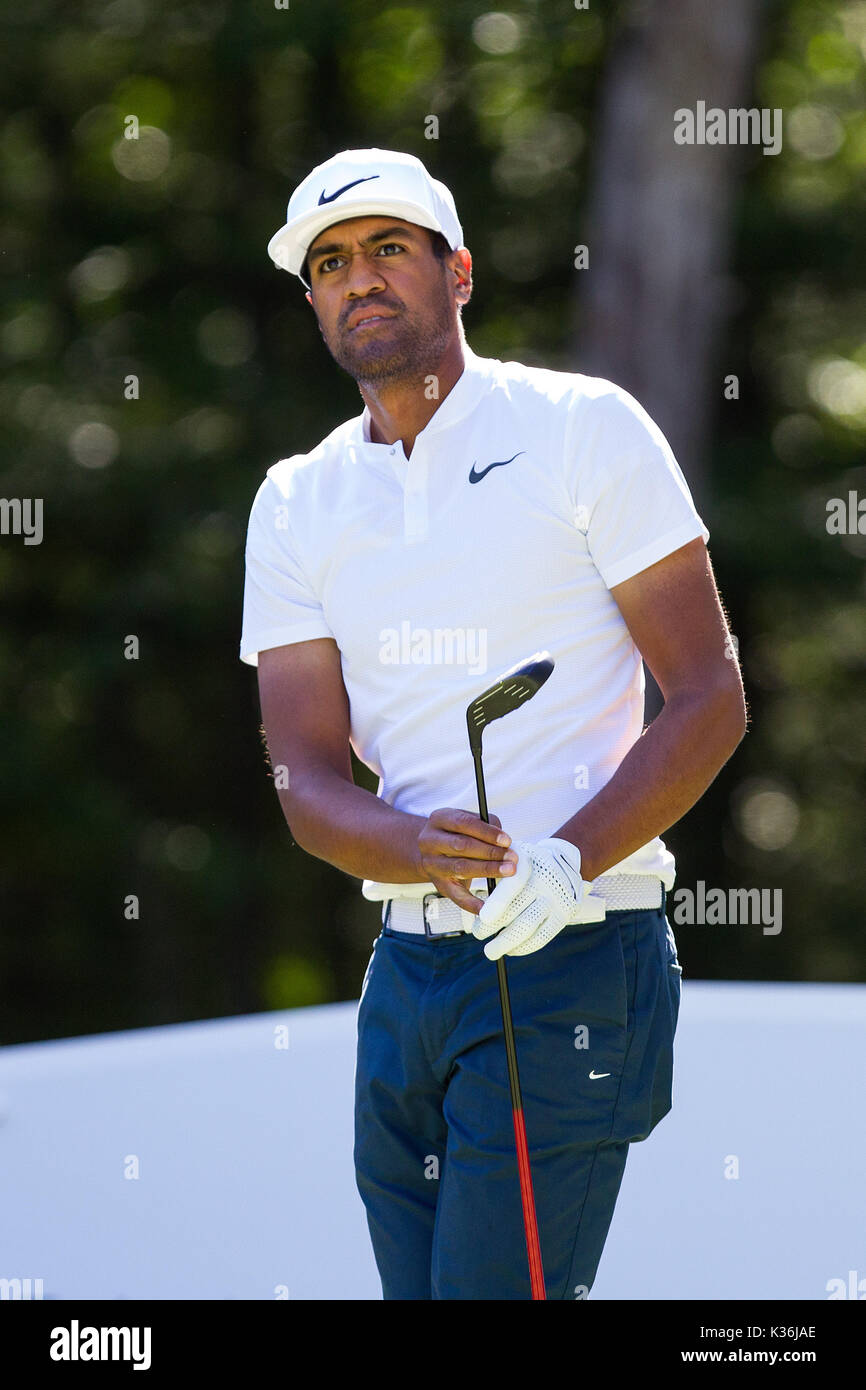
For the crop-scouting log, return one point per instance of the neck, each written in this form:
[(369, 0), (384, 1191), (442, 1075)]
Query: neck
[(401, 409)]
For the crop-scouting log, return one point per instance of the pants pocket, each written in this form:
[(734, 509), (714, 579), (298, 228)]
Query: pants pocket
[(366, 979), (671, 948)]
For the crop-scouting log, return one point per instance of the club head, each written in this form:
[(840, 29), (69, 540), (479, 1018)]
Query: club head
[(514, 687)]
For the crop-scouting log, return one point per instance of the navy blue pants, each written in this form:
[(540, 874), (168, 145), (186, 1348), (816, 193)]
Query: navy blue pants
[(595, 1012)]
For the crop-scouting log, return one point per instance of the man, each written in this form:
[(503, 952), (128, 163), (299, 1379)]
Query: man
[(475, 512)]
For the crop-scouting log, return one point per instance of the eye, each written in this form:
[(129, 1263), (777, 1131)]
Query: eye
[(329, 260), (390, 246)]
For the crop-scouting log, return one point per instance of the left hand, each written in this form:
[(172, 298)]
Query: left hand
[(545, 894)]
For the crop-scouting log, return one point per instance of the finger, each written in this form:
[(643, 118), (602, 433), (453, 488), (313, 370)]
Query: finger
[(458, 893), (468, 824), (492, 921), (466, 848), (499, 908), (518, 932), (473, 868), (543, 933), (475, 903)]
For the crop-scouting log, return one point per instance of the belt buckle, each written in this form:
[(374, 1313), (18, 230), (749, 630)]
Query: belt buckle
[(434, 913)]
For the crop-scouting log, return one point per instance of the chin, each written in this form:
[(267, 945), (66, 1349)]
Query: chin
[(374, 366)]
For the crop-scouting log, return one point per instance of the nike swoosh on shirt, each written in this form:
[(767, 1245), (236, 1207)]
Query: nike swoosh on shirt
[(329, 197), (475, 477), (597, 1075)]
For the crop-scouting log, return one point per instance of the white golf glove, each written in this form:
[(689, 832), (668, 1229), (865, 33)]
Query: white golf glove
[(544, 894)]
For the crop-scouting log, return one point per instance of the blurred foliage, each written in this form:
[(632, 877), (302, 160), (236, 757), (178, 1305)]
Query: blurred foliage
[(155, 364), (791, 801)]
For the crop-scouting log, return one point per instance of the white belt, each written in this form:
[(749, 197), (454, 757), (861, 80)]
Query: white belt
[(434, 915)]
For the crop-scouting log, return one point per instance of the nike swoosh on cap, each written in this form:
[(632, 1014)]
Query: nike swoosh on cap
[(475, 477), (329, 197)]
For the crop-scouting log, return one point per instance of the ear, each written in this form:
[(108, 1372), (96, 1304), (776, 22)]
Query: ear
[(461, 264), (309, 298)]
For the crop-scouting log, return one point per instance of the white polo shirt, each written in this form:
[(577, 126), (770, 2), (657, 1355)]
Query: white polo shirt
[(527, 497)]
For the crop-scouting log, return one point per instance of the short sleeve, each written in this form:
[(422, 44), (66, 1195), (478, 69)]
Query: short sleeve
[(280, 606), (630, 496)]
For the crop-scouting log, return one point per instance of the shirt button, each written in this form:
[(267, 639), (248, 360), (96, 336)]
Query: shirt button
[(393, 451)]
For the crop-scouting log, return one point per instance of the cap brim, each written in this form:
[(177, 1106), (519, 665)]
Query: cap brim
[(288, 247)]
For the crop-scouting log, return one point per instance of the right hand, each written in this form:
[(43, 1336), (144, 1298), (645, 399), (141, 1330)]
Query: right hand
[(456, 846)]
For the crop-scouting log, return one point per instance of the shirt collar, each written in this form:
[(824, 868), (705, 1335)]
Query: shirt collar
[(464, 395)]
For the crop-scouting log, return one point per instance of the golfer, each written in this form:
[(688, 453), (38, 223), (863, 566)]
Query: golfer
[(477, 512)]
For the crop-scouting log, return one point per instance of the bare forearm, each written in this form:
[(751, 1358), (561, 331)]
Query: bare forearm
[(352, 828), (660, 778)]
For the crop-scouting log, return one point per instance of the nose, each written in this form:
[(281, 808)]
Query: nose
[(363, 276)]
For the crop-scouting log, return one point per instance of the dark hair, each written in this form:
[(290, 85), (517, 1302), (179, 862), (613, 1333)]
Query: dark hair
[(441, 249)]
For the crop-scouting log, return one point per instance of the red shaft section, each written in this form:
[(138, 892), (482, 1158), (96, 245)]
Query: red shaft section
[(533, 1248)]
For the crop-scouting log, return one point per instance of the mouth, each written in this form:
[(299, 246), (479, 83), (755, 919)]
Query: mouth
[(368, 320)]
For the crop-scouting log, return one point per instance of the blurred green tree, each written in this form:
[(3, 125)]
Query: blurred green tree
[(155, 364)]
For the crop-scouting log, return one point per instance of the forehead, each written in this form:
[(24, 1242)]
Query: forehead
[(357, 228)]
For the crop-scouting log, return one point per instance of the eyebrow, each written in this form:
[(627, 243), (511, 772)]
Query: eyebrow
[(334, 246)]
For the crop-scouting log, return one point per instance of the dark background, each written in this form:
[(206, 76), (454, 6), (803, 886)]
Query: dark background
[(147, 258)]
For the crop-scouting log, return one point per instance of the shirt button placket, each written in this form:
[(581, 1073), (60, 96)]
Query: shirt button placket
[(415, 498)]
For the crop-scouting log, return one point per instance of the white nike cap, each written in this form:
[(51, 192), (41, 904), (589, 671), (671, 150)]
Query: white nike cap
[(361, 183)]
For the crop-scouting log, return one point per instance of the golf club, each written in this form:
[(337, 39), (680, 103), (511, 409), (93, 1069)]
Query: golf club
[(514, 687)]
